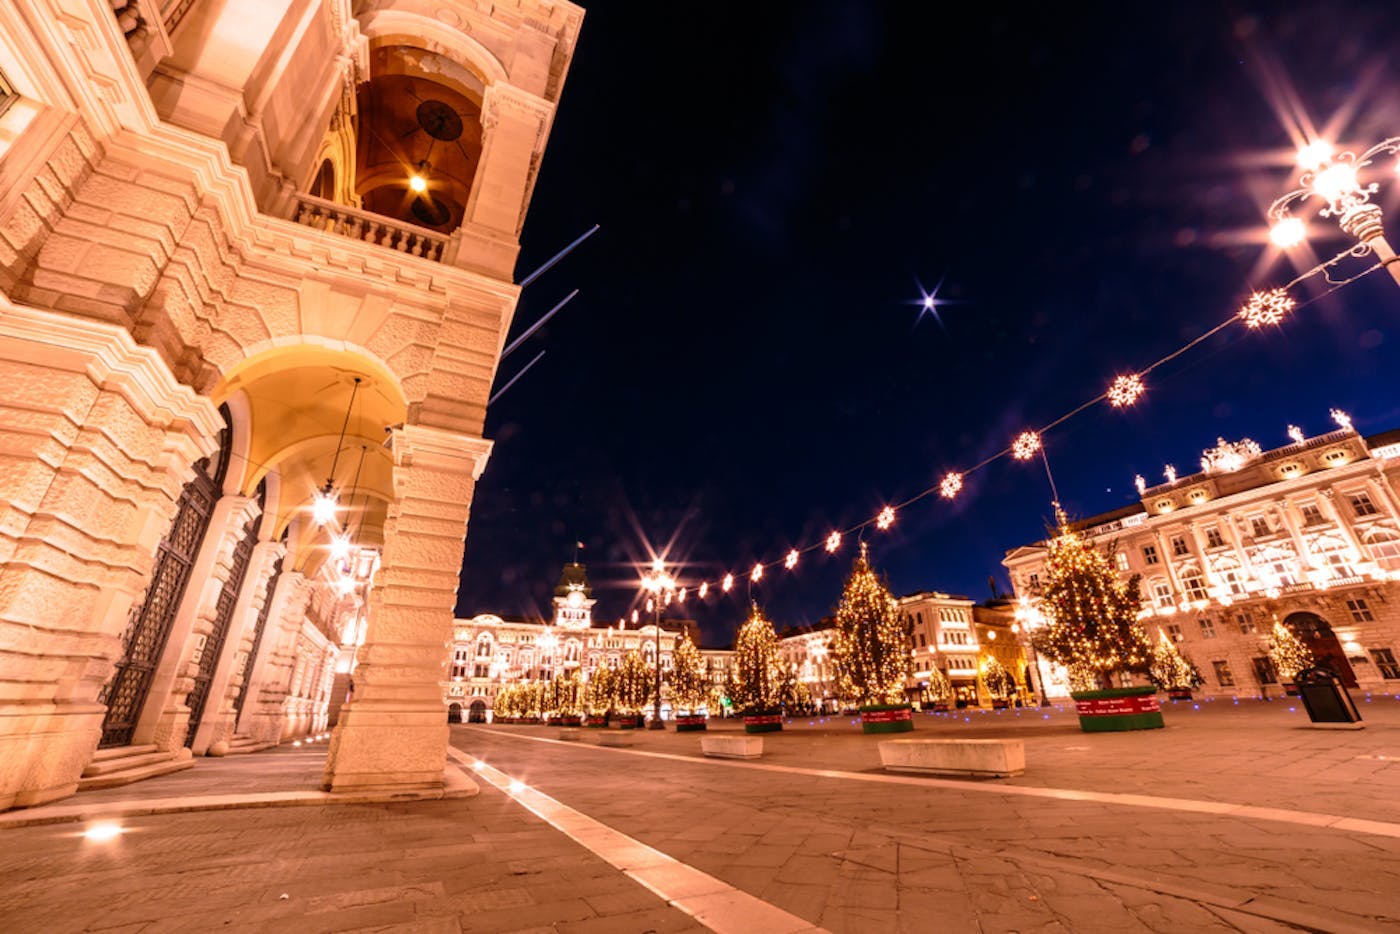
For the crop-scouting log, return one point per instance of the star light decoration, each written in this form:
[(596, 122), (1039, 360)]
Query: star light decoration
[(1266, 308), (833, 541), (885, 519), (951, 484), (1025, 445), (1125, 391), (790, 561)]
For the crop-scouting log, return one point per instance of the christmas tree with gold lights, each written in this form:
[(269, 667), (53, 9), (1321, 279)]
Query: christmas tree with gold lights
[(1093, 615), (870, 646), (1170, 669), (1288, 653), (755, 678), (690, 686), (997, 680), (634, 683)]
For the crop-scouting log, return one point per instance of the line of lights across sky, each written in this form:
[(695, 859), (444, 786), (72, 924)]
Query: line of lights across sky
[(1265, 308)]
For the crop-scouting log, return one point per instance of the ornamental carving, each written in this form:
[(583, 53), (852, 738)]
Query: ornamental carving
[(1229, 456)]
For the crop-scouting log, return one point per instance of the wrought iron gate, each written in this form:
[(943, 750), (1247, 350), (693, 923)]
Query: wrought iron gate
[(148, 627), (257, 640), (223, 615)]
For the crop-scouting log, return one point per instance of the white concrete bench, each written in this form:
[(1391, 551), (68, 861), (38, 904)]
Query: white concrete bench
[(617, 739), (983, 758), (569, 733), (732, 747)]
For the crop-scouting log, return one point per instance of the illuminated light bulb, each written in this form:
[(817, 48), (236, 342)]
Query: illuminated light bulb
[(1125, 391), (728, 583), (323, 506), (1336, 181), (296, 743), (340, 547), (680, 597), (634, 616), (1025, 445), (651, 605), (345, 585), (516, 786), (1342, 419), (757, 573), (478, 765), (790, 561), (1140, 483), (704, 589), (1296, 434), (101, 833), (885, 519), (1266, 308), (417, 183), (833, 541), (1288, 232), (951, 484), (1314, 155)]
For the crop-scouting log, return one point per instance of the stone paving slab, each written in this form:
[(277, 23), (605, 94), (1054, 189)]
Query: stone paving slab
[(854, 857)]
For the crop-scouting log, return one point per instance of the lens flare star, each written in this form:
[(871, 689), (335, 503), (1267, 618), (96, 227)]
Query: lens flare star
[(930, 302)]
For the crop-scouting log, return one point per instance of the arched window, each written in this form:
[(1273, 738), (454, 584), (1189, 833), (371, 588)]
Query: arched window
[(324, 184), (571, 650), (1383, 543), (483, 646)]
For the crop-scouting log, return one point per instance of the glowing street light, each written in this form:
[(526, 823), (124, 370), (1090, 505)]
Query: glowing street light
[(661, 586), (1335, 177)]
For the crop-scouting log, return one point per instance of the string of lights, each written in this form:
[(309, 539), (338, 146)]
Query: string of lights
[(1264, 308)]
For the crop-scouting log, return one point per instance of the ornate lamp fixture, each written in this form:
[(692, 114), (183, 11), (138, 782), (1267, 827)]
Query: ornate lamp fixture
[(326, 502)]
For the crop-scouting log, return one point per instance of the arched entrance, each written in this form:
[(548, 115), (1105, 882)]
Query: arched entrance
[(477, 712), (1326, 649), (454, 713)]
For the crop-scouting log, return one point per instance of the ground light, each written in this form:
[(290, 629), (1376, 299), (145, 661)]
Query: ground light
[(101, 833)]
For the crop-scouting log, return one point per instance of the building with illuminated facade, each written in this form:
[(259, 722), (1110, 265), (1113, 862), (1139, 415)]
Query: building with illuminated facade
[(489, 651), (1307, 533), (255, 256), (956, 636)]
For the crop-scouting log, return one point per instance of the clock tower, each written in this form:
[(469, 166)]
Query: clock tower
[(573, 599)]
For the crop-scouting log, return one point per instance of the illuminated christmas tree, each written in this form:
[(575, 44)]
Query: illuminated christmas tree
[(1171, 670), (1288, 653), (997, 680), (565, 694), (635, 681), (756, 676), (1093, 615), (598, 692), (690, 684), (940, 689), (870, 646)]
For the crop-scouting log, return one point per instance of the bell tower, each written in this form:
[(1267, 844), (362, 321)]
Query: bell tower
[(573, 599)]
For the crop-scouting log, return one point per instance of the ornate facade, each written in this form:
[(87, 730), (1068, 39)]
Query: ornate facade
[(253, 255), (1307, 533)]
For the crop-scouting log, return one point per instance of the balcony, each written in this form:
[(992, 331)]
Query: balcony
[(376, 229)]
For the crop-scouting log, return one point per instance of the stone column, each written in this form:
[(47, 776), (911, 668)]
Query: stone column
[(217, 729), (167, 714), (393, 733), (1344, 525), (272, 673), (98, 440), (1305, 558)]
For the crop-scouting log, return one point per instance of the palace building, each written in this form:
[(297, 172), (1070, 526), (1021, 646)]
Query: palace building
[(1307, 534), (489, 651), (257, 264)]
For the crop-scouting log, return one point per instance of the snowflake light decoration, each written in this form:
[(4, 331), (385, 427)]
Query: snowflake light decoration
[(833, 541), (757, 573), (1266, 308), (790, 561), (728, 583), (1125, 391), (680, 595), (1025, 445), (951, 485), (704, 589), (885, 519)]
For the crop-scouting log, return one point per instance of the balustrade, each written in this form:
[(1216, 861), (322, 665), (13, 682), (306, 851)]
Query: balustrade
[(410, 239)]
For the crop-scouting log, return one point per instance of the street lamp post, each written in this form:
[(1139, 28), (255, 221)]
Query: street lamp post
[(1029, 618), (1333, 177), (660, 585)]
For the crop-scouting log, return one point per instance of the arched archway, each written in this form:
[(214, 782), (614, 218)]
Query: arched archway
[(454, 713), (477, 712), (1318, 636)]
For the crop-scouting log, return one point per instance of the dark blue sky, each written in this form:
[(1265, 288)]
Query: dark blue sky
[(743, 368)]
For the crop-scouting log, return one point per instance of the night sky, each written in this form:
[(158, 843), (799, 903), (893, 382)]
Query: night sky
[(746, 366)]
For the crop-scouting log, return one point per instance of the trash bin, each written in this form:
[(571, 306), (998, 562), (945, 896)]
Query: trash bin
[(1328, 704)]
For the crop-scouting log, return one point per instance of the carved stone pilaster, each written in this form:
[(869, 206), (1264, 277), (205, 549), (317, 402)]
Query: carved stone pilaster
[(272, 674)]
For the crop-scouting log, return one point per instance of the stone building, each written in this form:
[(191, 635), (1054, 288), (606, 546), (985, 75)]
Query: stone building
[(255, 255), (955, 635), (490, 651), (1307, 533), (808, 650)]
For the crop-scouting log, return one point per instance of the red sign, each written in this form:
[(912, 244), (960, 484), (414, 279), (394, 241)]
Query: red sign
[(761, 719), (886, 716), (1117, 706)]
